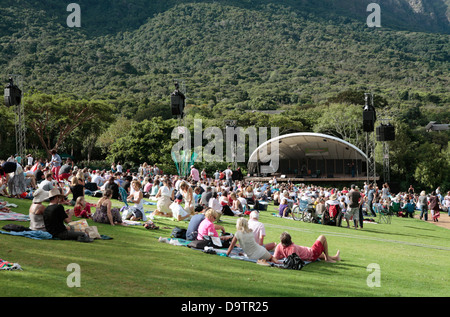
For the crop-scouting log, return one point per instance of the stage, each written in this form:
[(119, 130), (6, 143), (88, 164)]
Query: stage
[(316, 180)]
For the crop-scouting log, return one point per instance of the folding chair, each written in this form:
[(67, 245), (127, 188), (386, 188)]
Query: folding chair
[(298, 210), (384, 216), (394, 208)]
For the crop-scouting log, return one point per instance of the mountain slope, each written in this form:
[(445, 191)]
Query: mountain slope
[(102, 17), (255, 53)]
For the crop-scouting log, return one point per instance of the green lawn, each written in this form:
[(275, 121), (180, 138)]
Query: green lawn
[(413, 258)]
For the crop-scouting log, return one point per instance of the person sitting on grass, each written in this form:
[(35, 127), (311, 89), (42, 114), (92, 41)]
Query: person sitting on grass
[(36, 210), (208, 228), (165, 196), (319, 250), (259, 230), (194, 223), (409, 209), (137, 197), (178, 212), (246, 238), (82, 208), (55, 216), (105, 213), (284, 209)]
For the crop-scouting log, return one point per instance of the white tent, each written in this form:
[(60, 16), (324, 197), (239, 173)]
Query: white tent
[(306, 147)]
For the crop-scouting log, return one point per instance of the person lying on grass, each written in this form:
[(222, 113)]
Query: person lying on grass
[(319, 249)]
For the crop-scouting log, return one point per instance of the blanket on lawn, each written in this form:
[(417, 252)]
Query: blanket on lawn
[(236, 254), (8, 266), (33, 234), (40, 235), (13, 216)]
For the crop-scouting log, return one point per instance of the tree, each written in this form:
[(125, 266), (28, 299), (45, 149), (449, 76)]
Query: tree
[(116, 130), (147, 141), (435, 170), (7, 137), (53, 118), (343, 121)]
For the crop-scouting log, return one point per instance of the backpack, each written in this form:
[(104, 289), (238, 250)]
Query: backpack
[(293, 262), (334, 210), (178, 233)]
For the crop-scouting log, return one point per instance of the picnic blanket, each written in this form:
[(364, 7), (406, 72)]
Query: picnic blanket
[(236, 254), (13, 216), (33, 234), (9, 266)]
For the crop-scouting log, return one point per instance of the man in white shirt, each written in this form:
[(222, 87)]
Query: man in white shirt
[(30, 160), (228, 176), (259, 230), (178, 211), (215, 205), (97, 178)]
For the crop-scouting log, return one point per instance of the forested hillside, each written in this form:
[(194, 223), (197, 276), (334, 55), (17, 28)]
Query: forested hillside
[(304, 57)]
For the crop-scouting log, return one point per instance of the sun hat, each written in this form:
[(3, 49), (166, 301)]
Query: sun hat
[(39, 195), (54, 192)]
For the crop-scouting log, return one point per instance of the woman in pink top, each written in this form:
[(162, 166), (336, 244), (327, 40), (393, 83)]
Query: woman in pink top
[(319, 250), (206, 227)]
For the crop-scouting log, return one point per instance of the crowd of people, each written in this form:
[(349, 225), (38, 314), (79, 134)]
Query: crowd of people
[(183, 198)]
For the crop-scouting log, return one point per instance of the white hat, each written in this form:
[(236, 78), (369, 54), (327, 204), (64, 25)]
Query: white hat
[(39, 195)]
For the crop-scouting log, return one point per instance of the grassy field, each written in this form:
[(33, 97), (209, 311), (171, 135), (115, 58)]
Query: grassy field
[(412, 257)]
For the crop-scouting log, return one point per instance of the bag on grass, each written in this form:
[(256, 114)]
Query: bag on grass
[(293, 262), (92, 232), (79, 225), (178, 233), (214, 242), (198, 244)]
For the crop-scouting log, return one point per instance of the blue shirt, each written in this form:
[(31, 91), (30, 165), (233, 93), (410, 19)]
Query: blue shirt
[(56, 160)]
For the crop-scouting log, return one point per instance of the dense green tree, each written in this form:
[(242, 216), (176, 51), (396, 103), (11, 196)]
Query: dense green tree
[(54, 118)]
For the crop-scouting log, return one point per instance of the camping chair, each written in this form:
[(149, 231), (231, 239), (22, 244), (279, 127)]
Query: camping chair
[(394, 208), (298, 209), (384, 216)]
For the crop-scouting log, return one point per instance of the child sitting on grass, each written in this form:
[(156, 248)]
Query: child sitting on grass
[(82, 208)]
